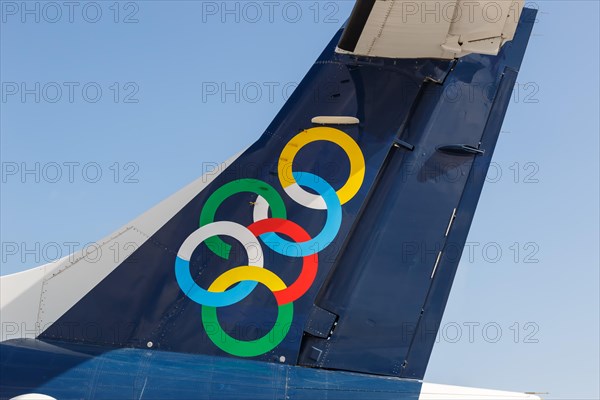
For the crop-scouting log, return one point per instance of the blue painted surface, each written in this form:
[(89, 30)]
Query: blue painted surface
[(383, 288), (85, 372), (375, 277)]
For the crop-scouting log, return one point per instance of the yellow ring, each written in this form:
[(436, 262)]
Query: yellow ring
[(252, 348), (247, 273), (357, 161)]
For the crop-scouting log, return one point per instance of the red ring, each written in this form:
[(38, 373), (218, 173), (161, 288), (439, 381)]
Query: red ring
[(310, 263)]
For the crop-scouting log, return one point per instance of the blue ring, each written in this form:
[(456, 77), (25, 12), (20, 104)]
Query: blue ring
[(330, 229), (202, 296)]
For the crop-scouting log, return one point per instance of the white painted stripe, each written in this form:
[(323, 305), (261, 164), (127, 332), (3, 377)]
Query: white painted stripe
[(330, 120), (451, 222), (430, 391), (437, 261)]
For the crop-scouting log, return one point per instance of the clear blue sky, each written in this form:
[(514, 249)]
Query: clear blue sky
[(543, 296)]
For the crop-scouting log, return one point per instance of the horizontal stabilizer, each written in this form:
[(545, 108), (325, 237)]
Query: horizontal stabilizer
[(429, 29)]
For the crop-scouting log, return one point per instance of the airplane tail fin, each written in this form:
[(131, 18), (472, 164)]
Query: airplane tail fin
[(332, 242)]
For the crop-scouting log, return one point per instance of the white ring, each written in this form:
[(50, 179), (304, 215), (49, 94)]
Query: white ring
[(227, 228)]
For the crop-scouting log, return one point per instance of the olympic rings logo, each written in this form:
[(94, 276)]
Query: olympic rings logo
[(221, 293)]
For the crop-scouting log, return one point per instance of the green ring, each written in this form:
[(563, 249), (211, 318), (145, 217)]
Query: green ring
[(215, 243), (252, 348)]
